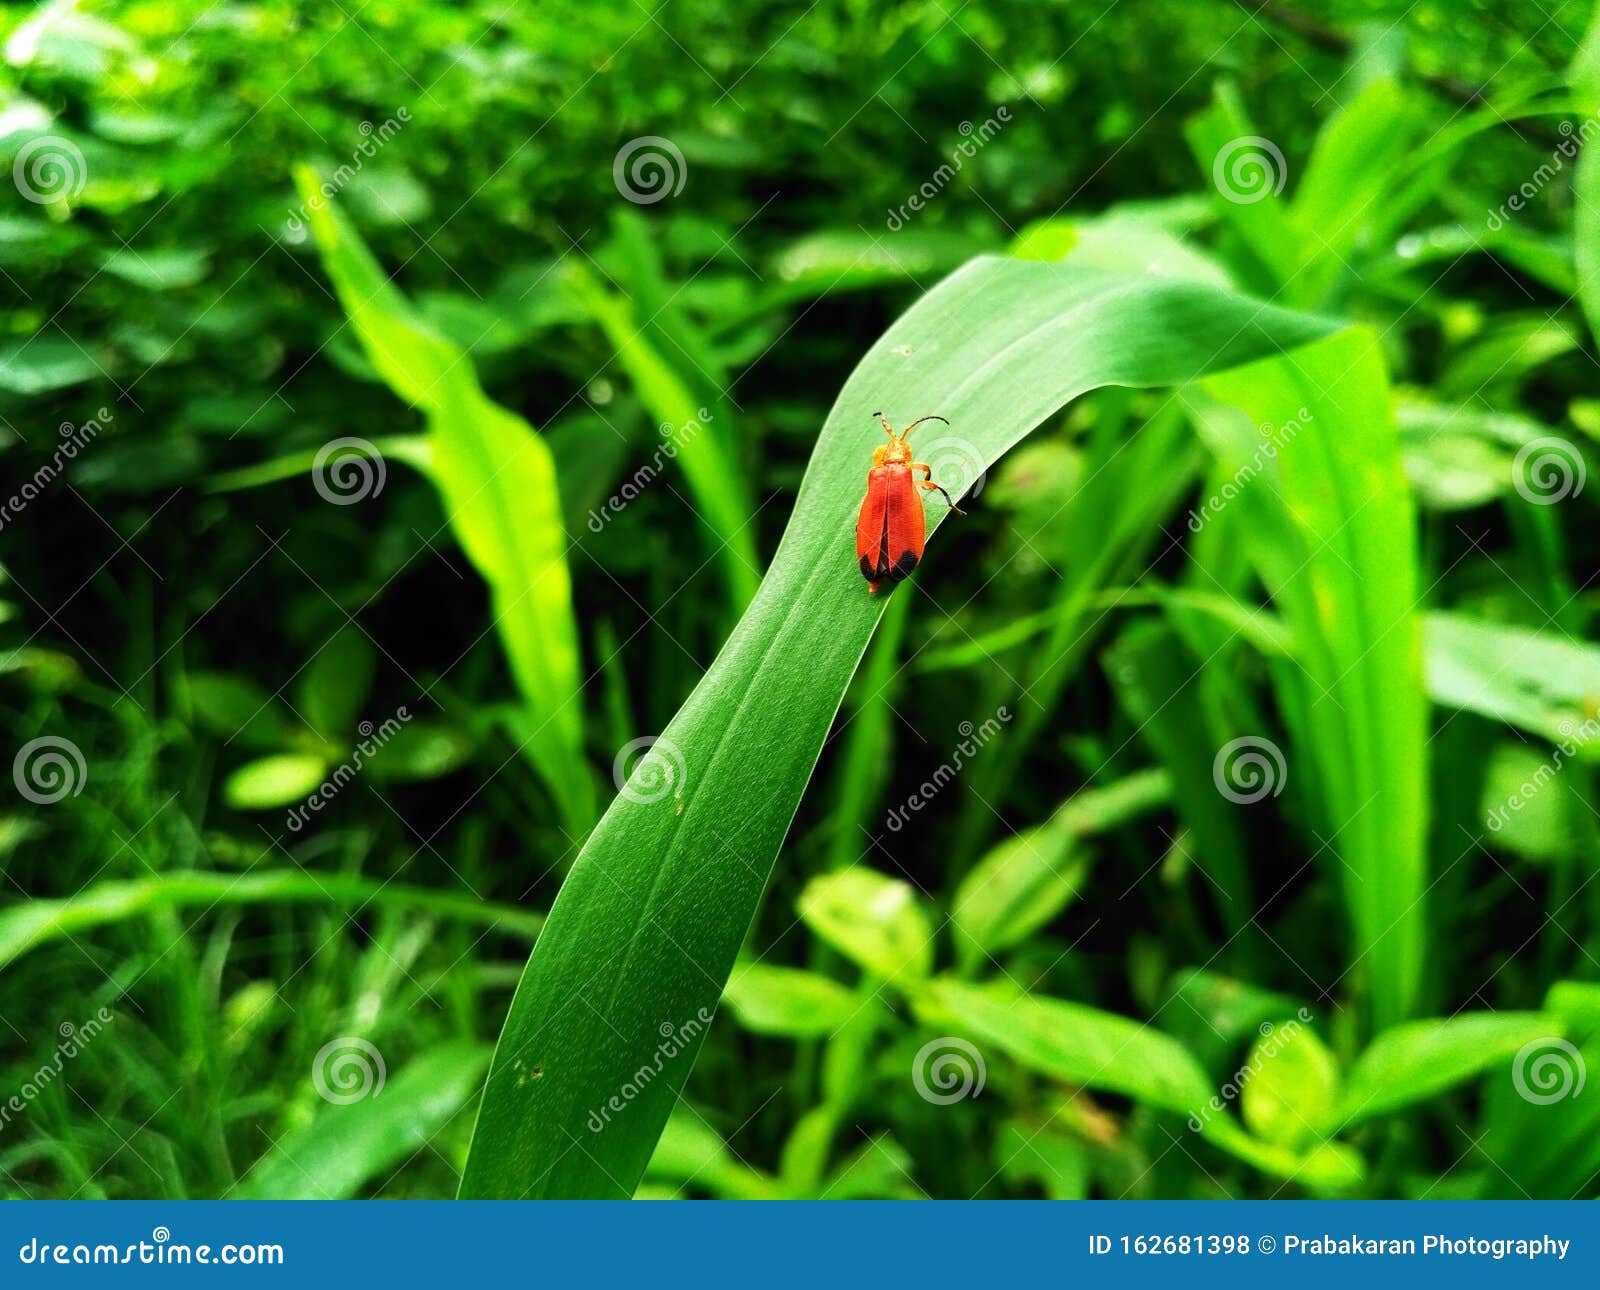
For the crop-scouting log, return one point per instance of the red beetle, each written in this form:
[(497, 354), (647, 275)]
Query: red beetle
[(891, 529)]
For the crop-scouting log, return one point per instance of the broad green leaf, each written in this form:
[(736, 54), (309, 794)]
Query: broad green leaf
[(879, 1170), (418, 750), (24, 927), (238, 709), (837, 260), (788, 1001), (1294, 1081), (43, 363), (691, 1154), (1024, 881), (1083, 1046), (335, 684), (499, 491), (875, 920), (1212, 1013), (1411, 1062), (1536, 680), (343, 1147), (156, 270), (1120, 242), (1341, 562), (267, 782), (646, 928), (1525, 802), (1057, 1163)]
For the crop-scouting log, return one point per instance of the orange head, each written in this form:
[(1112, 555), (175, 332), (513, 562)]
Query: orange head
[(897, 452)]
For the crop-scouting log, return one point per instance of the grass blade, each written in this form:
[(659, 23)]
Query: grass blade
[(499, 489), (647, 926)]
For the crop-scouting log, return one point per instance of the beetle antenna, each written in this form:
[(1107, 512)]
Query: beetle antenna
[(918, 422), (888, 429)]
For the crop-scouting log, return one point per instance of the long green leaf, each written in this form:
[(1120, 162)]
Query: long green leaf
[(499, 490), (345, 1146), (1342, 564), (646, 928), (1412, 1062), (24, 927)]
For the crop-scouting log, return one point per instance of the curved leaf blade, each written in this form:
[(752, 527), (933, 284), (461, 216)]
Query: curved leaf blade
[(647, 926)]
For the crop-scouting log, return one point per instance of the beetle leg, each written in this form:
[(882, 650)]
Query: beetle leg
[(938, 488)]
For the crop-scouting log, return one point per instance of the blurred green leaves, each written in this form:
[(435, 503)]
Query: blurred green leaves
[(500, 494)]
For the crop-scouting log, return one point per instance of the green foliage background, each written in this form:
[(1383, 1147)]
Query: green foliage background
[(282, 226)]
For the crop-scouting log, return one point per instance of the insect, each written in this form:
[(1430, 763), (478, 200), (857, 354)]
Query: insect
[(891, 529)]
